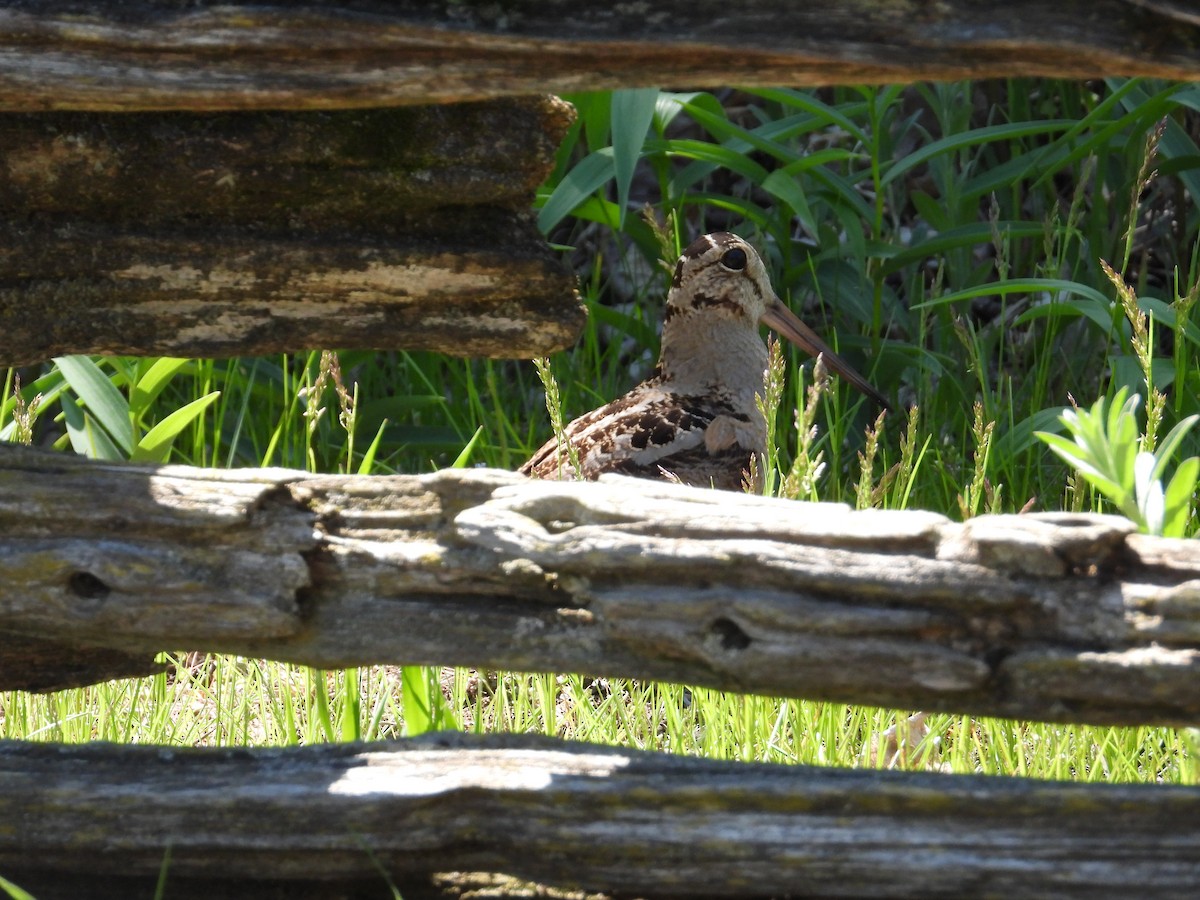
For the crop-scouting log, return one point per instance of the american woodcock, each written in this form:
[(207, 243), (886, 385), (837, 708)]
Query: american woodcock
[(695, 418)]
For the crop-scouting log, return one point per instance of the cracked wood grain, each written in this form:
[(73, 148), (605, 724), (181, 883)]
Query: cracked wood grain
[(571, 815), (121, 55), (1056, 616)]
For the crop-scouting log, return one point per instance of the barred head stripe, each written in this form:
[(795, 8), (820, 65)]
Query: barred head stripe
[(702, 245)]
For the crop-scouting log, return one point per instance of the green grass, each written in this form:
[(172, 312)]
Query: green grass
[(224, 701), (947, 239)]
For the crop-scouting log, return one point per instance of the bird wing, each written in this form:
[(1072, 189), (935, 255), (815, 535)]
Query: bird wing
[(645, 433)]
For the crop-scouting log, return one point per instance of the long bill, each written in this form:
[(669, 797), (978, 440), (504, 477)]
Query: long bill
[(789, 325)]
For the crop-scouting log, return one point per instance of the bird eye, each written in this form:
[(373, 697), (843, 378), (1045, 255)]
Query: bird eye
[(734, 260)]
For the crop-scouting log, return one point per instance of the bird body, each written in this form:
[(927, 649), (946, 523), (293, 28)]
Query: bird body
[(696, 419)]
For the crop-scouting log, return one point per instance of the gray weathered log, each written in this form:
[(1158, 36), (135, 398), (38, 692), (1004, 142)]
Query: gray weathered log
[(634, 823), (125, 54), (251, 233), (1054, 617)]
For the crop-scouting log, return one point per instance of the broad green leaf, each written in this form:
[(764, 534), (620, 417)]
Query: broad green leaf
[(1166, 449), (102, 399), (842, 192), (14, 892), (1017, 286), (844, 116), (464, 458), (765, 139), (671, 104), (604, 212), (1180, 496), (151, 384), (1097, 130), (594, 111), (86, 436), (416, 699), (368, 460), (787, 188), (1069, 450), (155, 445), (987, 134), (1098, 309), (939, 217), (959, 237), (577, 185), (626, 324), (744, 209), (1149, 494), (1176, 142), (714, 153), (1122, 435), (632, 112), (1072, 455), (1165, 314)]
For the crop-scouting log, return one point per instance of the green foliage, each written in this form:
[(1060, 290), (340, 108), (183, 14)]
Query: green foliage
[(14, 891), (424, 707), (105, 414), (950, 236), (1104, 450)]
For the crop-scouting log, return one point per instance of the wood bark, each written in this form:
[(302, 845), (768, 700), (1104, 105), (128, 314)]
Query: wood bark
[(124, 54), (1056, 617), (241, 234), (573, 815)]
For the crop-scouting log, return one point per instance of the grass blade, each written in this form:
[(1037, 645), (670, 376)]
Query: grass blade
[(155, 445), (463, 459), (632, 113), (151, 384), (86, 436), (100, 396), (577, 185)]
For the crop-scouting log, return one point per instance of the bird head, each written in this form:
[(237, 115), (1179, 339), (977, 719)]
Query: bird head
[(721, 275)]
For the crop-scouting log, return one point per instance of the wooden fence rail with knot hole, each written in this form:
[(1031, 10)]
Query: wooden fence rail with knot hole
[(1054, 617)]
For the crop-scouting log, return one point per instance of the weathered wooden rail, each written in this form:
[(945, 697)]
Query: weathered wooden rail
[(326, 821), (124, 54), (223, 234), (1052, 617)]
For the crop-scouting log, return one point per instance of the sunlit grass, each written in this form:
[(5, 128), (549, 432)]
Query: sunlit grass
[(231, 702)]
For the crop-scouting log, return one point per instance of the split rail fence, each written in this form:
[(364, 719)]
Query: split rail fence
[(262, 178)]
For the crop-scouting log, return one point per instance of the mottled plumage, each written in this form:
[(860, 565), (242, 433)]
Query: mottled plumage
[(696, 419)]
